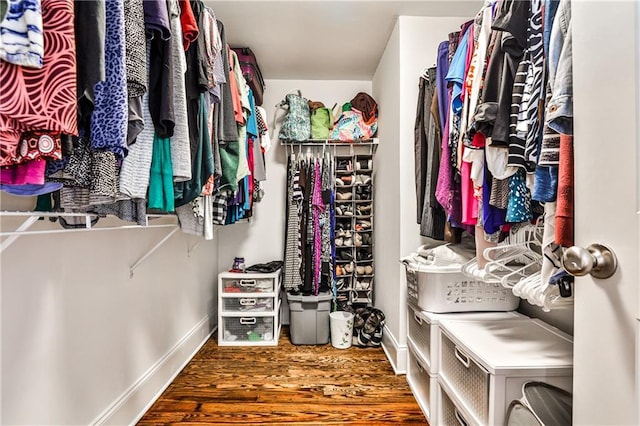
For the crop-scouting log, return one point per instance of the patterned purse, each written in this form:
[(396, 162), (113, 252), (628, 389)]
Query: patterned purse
[(296, 126)]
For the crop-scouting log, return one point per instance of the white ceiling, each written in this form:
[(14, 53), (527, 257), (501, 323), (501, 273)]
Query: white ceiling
[(323, 39)]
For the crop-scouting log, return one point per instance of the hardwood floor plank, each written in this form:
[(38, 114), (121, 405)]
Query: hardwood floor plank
[(287, 384)]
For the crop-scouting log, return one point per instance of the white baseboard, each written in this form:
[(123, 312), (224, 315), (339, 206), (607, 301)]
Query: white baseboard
[(396, 353), (135, 401)]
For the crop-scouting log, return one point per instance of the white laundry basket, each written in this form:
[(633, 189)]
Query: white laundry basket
[(444, 288), (341, 329)]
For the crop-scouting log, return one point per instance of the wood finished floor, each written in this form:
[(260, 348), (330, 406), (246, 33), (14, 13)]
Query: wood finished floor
[(287, 384)]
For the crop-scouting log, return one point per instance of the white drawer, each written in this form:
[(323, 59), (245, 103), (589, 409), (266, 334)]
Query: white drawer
[(419, 333), (422, 384), (485, 363), (247, 330), (449, 414), (248, 304), (464, 376), (424, 332), (234, 285)]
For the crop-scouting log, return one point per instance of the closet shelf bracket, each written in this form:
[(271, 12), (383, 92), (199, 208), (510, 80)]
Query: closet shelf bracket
[(151, 251), (29, 221), (194, 247)]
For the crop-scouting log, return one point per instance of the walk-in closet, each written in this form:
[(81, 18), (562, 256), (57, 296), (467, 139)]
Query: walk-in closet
[(319, 212)]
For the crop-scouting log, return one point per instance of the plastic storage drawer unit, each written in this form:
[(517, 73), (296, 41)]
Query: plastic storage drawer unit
[(424, 333), (248, 309), (422, 384), (483, 364)]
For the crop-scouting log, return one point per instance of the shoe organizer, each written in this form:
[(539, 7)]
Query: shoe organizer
[(354, 209)]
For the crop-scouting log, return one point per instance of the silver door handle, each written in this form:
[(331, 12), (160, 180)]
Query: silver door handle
[(597, 259)]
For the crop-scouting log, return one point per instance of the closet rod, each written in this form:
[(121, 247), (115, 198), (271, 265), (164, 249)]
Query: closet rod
[(33, 217), (320, 142)]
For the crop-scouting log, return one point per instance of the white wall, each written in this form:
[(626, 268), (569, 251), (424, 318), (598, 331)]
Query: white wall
[(82, 341), (262, 239), (388, 292), (411, 48)]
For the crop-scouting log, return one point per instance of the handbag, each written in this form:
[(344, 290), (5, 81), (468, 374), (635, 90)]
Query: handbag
[(296, 125), (359, 119), (352, 126), (321, 120)]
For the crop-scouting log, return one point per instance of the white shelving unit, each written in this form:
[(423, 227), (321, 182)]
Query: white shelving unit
[(249, 309), (424, 340)]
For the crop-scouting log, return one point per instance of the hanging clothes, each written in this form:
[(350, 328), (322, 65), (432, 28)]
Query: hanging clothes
[(21, 34), (179, 145), (431, 215), (110, 115), (28, 94)]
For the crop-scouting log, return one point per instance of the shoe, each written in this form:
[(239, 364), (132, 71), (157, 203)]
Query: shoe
[(343, 195), (346, 255), (346, 180), (344, 226), (368, 270), (348, 268), (363, 179), (339, 270), (362, 285), (366, 239), (347, 234), (364, 224), (339, 242), (348, 242), (363, 164), (342, 284), (339, 182), (357, 240), (363, 192), (364, 255), (344, 165), (364, 209), (338, 210), (347, 210)]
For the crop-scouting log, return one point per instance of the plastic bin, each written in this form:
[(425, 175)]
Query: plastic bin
[(309, 318), (341, 329), (444, 288)]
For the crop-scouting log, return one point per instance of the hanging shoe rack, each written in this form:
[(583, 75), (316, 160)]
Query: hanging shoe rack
[(353, 178)]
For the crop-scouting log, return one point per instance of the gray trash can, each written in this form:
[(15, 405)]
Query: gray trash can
[(309, 318)]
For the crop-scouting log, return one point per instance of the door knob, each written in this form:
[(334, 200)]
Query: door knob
[(597, 259)]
